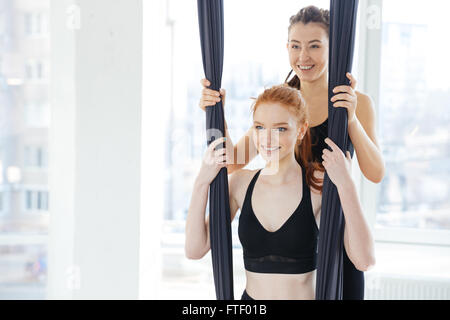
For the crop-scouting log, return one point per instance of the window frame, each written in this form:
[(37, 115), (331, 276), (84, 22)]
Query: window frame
[(370, 64)]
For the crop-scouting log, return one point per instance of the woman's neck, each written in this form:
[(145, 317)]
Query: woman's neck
[(314, 88), (281, 171)]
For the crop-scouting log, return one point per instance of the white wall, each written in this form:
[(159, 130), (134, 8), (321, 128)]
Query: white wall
[(95, 139)]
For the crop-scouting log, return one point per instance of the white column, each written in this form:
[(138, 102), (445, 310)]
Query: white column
[(156, 99), (95, 140)]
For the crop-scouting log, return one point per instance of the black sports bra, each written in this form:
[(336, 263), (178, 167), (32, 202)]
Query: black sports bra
[(292, 249)]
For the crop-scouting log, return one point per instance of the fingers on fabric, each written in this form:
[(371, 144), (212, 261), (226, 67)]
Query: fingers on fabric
[(326, 153), (344, 89), (205, 82), (210, 93), (216, 142), (342, 96), (209, 97), (220, 152), (213, 156), (220, 155), (331, 143), (221, 159), (212, 96), (353, 81), (343, 104)]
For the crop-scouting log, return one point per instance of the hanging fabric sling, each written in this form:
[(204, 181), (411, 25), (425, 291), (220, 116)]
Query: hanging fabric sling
[(330, 282), (210, 18), (330, 263)]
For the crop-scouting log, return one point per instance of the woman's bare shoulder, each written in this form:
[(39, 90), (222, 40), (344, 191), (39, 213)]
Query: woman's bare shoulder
[(241, 177), (365, 105), (238, 183)]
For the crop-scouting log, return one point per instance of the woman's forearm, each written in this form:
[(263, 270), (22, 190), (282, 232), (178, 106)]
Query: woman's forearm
[(369, 156), (357, 237), (196, 237)]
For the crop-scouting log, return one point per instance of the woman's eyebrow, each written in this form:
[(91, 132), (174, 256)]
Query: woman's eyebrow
[(309, 42), (275, 124)]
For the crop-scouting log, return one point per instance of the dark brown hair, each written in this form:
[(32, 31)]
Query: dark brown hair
[(292, 99), (307, 15)]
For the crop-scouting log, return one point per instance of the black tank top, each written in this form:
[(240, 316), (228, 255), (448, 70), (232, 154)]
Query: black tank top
[(318, 136), (292, 249)]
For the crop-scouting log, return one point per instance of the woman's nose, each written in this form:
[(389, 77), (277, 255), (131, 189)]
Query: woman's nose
[(266, 137), (304, 55), (273, 137)]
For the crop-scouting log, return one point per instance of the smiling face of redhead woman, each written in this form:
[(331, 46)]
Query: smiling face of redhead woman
[(275, 131), (308, 50)]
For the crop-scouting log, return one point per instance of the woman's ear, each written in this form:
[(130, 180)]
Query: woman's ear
[(300, 134)]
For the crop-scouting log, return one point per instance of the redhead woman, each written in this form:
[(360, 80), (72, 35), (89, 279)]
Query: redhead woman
[(278, 225), (307, 47)]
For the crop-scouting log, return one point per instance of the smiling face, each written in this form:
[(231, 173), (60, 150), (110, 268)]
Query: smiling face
[(308, 50), (275, 131)]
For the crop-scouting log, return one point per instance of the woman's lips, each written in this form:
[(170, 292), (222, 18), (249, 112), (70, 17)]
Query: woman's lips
[(270, 149), (305, 70)]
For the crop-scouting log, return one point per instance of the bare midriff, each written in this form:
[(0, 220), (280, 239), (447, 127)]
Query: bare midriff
[(274, 286)]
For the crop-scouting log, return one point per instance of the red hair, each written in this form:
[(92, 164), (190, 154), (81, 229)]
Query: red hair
[(292, 99)]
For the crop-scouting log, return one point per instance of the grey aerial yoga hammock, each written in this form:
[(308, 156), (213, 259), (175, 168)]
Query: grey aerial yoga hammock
[(330, 283)]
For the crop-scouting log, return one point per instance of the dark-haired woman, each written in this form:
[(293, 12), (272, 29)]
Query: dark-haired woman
[(308, 45)]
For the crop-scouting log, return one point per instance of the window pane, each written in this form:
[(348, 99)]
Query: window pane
[(29, 200), (414, 116), (28, 24), (39, 200), (39, 157), (24, 120)]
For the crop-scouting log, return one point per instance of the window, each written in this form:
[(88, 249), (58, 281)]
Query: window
[(35, 70), (413, 117), (35, 157), (24, 120), (35, 24), (36, 200)]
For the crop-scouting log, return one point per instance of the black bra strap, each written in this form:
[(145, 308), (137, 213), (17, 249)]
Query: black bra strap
[(251, 186), (305, 185)]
